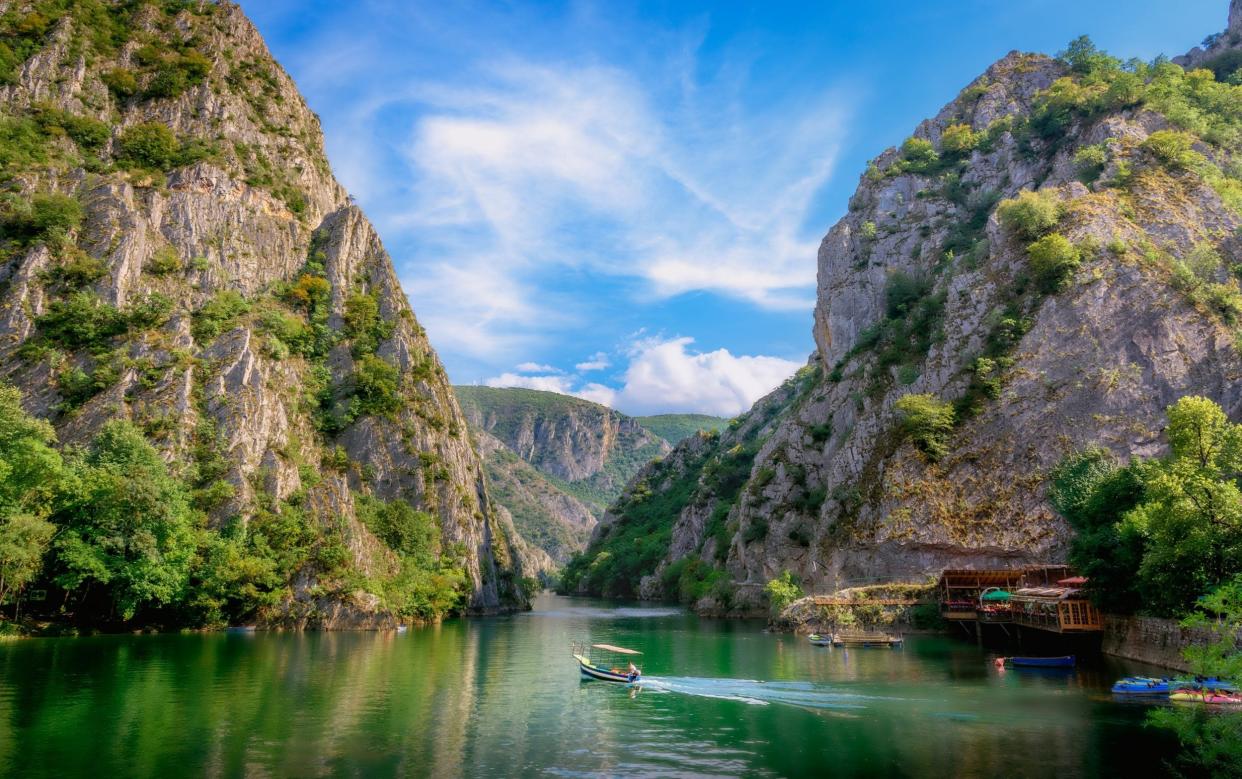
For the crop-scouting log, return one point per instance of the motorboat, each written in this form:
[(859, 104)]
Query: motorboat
[(618, 667)]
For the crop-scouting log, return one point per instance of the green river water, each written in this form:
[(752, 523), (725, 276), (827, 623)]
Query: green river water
[(502, 697)]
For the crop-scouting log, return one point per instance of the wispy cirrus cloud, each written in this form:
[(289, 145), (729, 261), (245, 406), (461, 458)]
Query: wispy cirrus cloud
[(596, 362), (531, 190), (580, 167)]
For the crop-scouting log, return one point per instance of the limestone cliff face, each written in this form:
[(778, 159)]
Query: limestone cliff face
[(555, 461), (244, 246), (1218, 48), (923, 290), (569, 438)]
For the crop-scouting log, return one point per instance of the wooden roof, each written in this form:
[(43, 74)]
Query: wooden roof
[(966, 577), (618, 649)]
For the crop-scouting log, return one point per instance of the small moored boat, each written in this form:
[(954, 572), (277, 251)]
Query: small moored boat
[(1215, 697), (612, 672), (819, 640), (1147, 685), (1065, 661)]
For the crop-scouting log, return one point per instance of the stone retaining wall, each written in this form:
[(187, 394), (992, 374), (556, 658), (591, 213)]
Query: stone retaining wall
[(1150, 640)]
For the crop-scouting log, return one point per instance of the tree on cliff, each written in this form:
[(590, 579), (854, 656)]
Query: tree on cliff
[(128, 525), (31, 472), (1191, 515), (1156, 535)]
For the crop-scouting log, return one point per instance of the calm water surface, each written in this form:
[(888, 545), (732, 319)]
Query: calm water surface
[(493, 697)]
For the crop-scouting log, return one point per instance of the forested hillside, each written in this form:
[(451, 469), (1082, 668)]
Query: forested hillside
[(239, 416)]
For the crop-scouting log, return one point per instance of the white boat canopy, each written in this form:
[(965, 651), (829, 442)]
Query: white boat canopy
[(618, 649)]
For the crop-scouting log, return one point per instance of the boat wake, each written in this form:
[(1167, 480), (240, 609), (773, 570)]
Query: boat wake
[(757, 693)]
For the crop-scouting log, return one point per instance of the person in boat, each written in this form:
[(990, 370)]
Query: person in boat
[(633, 671)]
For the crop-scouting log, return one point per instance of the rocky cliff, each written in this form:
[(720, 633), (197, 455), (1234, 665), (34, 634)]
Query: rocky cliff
[(1046, 264), (178, 253), (555, 461)]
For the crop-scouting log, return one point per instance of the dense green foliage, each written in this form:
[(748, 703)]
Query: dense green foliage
[(1191, 515), (1053, 261), (42, 217), (1093, 493), (82, 320), (430, 583), (126, 524), (218, 314), (363, 325), (121, 536), (153, 146), (1030, 215), (928, 421), (1211, 741), (782, 591), (31, 475), (632, 546), (376, 386), (1156, 535)]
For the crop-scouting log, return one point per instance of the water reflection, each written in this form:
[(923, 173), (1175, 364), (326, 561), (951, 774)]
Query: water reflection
[(502, 697)]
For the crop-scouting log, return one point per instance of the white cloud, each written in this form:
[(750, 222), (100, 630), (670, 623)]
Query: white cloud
[(596, 362), (534, 367), (561, 384), (664, 376)]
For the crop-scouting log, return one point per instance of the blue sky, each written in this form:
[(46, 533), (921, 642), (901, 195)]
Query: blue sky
[(623, 200)]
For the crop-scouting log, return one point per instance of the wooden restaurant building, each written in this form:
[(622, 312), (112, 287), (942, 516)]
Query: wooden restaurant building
[(1043, 597)]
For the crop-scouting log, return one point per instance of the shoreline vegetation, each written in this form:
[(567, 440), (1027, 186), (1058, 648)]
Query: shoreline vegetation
[(110, 537)]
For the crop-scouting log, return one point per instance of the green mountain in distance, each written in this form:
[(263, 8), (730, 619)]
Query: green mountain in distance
[(676, 427), (554, 461)]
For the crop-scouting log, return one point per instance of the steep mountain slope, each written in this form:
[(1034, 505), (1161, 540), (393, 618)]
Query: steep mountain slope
[(674, 428), (555, 461), (544, 512), (969, 338), (177, 253)]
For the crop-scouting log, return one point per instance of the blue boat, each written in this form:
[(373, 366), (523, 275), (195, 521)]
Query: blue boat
[(606, 673), (1066, 661), (1148, 685)]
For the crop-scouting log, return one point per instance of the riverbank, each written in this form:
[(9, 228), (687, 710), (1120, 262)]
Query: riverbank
[(908, 607), (875, 607)]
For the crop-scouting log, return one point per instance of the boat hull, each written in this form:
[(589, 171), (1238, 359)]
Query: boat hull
[(1139, 685), (589, 671), (1206, 696), (1041, 662)]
